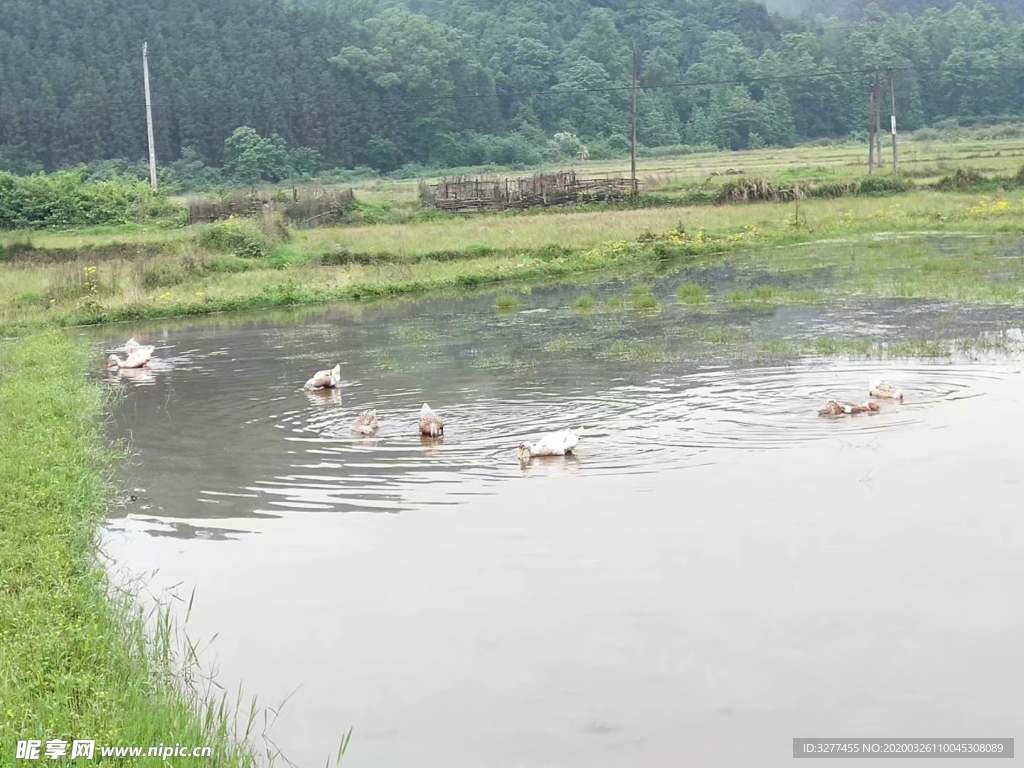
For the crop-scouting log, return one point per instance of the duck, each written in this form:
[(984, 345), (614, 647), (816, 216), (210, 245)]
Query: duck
[(366, 424), (886, 390), (551, 444), (431, 425), (137, 359), (131, 346), (841, 407), (325, 379), (128, 347)]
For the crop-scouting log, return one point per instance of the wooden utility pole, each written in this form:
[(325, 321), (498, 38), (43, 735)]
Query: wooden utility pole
[(149, 117), (878, 119), (895, 136), (871, 130), (632, 145)]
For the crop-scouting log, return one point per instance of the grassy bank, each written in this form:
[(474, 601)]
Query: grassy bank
[(75, 658), (190, 281)]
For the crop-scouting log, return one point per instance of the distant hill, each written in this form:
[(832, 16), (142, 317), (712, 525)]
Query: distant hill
[(384, 83)]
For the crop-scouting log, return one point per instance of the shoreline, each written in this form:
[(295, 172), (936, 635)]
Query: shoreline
[(79, 661), (190, 282)]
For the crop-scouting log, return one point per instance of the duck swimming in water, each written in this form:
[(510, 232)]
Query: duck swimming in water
[(883, 389), (366, 424), (137, 359), (431, 425), (841, 407), (325, 379), (552, 444), (130, 346)]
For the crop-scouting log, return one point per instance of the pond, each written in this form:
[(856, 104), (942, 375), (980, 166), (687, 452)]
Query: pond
[(717, 570)]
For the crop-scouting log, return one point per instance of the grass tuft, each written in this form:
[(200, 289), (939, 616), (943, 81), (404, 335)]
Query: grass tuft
[(693, 295), (507, 304), (583, 304)]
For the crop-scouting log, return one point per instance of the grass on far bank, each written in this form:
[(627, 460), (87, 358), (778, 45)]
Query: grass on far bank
[(76, 660), (189, 281)]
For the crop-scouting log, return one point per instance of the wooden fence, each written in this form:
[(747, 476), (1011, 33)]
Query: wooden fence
[(465, 194)]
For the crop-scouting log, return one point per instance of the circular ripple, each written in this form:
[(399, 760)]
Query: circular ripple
[(628, 428), (238, 421)]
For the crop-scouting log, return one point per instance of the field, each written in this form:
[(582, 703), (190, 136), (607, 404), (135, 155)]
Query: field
[(114, 274), (813, 254), (924, 159)]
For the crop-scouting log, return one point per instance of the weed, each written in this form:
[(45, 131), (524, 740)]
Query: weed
[(693, 295), (507, 304), (583, 304)]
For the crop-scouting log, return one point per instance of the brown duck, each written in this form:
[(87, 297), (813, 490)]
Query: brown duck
[(842, 407), (366, 424), (431, 425)]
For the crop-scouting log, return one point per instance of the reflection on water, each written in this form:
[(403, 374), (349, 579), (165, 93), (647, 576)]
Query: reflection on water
[(712, 555)]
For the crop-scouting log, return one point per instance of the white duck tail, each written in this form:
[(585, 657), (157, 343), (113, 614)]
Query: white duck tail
[(325, 379)]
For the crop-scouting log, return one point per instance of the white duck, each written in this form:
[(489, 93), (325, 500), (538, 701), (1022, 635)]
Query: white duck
[(551, 444), (136, 359), (325, 379), (431, 425), (366, 424), (883, 389), (130, 346)]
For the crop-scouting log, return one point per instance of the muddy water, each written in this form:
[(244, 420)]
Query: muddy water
[(717, 571)]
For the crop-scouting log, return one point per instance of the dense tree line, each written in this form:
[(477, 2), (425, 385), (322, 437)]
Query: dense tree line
[(384, 83)]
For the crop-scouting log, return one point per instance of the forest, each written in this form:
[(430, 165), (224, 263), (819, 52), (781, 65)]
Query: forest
[(323, 84)]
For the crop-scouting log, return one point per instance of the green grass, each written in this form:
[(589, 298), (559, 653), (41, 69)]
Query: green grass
[(190, 281), (583, 304), (507, 304), (76, 660), (637, 353), (645, 303), (693, 295), (911, 348), (569, 346), (503, 362), (766, 295)]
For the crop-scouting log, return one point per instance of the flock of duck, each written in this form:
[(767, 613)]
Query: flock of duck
[(431, 425), (883, 390)]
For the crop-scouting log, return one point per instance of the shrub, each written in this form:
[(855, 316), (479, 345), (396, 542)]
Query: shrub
[(236, 236), (963, 178), (163, 273), (229, 264), (881, 185), (66, 199)]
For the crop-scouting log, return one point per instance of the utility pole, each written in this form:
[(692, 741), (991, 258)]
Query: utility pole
[(632, 149), (895, 137), (871, 130), (878, 119), (149, 117)]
